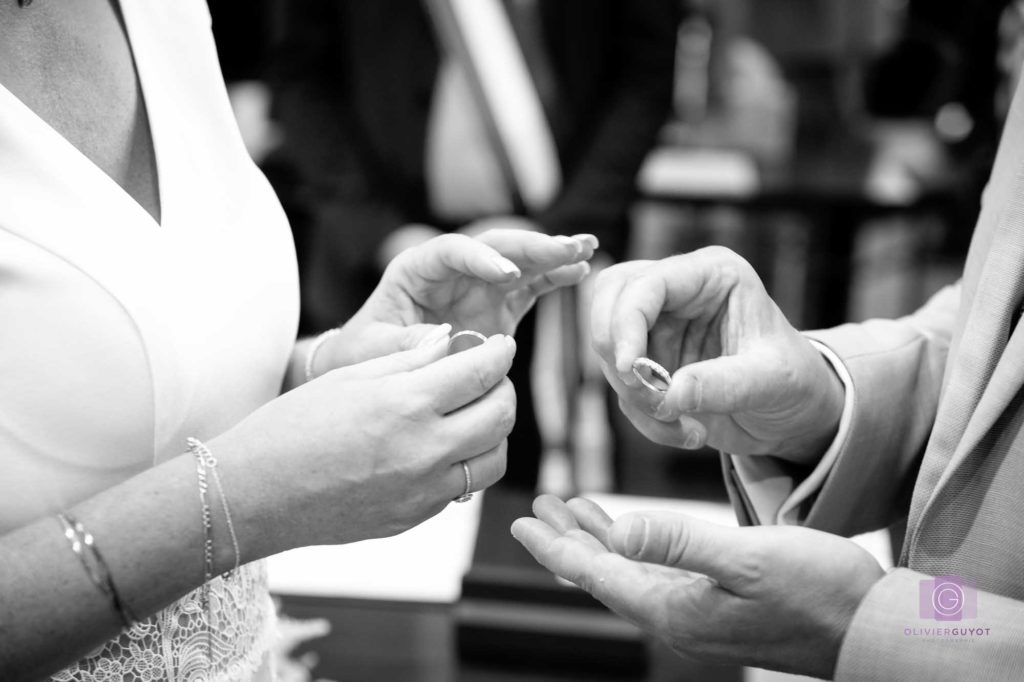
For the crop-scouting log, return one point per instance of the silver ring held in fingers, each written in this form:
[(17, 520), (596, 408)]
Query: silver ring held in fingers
[(652, 375), (466, 496), (465, 340)]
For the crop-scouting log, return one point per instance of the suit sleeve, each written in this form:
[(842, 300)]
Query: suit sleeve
[(890, 639), (603, 164), (897, 369), (894, 370)]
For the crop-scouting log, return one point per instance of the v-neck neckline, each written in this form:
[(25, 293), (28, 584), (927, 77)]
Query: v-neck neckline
[(91, 166)]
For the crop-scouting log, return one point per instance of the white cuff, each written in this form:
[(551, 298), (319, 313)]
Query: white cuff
[(773, 494)]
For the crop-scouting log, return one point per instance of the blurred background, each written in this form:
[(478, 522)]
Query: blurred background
[(841, 146)]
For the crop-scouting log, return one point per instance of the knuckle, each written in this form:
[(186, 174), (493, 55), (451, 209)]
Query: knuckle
[(720, 253), (606, 276), (493, 470), (414, 406), (501, 464), (508, 408), (450, 239), (482, 379), (678, 546), (506, 420), (751, 568)]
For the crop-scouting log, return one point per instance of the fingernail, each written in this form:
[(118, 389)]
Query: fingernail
[(506, 266), (665, 413), (588, 238), (689, 394), (636, 537), (569, 241), (624, 365), (693, 441), (436, 336)]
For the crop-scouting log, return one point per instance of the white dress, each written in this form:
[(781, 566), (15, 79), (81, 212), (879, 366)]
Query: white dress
[(120, 337)]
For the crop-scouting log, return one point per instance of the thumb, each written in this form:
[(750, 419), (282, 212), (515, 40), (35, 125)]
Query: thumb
[(679, 541), (724, 385)]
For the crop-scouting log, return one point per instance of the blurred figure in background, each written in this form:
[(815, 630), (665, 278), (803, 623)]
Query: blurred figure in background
[(391, 145)]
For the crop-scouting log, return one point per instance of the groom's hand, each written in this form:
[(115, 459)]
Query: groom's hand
[(773, 597)]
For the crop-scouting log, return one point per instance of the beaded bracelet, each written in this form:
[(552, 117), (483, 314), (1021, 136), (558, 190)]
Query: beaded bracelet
[(314, 348), (83, 544)]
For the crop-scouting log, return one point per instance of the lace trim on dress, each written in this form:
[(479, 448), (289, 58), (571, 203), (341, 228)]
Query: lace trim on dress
[(183, 643)]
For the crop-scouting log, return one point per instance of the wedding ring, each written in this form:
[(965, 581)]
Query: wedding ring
[(465, 340), (466, 496), (652, 375)]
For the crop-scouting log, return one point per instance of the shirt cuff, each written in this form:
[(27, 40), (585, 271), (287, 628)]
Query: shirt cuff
[(773, 494)]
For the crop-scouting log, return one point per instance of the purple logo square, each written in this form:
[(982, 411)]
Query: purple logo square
[(948, 598)]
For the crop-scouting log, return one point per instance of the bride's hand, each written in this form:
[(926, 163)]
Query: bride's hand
[(369, 450), (485, 284)]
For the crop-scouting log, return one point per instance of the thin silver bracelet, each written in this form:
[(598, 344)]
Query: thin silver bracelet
[(206, 516), (84, 546), (314, 348), (208, 463)]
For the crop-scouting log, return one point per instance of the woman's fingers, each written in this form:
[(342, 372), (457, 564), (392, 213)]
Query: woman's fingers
[(485, 470), (502, 257), (536, 252), (455, 254), (457, 380), (483, 423), (432, 347), (520, 298)]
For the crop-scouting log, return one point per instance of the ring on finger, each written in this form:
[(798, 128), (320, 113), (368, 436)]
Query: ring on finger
[(466, 495)]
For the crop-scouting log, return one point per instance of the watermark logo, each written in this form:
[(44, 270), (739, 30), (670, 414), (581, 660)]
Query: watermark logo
[(948, 598)]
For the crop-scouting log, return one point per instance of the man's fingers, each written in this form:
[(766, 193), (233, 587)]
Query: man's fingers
[(690, 286), (682, 432), (616, 581), (724, 385), (457, 380), (562, 517), (679, 541), (636, 309), (607, 287), (591, 518), (552, 511)]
